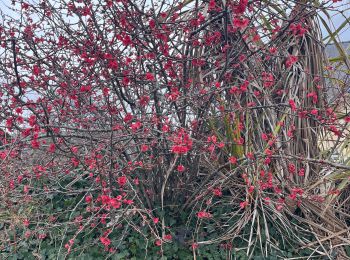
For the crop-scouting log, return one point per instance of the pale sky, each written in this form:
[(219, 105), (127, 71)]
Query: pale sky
[(337, 19)]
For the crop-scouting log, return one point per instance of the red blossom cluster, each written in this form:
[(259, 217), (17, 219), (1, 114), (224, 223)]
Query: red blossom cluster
[(204, 214), (182, 143), (122, 114)]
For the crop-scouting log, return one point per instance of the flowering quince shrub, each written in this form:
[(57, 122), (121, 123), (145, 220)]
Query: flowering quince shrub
[(136, 129)]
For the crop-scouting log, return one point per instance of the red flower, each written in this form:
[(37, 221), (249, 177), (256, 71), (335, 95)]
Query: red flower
[(144, 100), (221, 145), (67, 246), (35, 144), (301, 172), (113, 64), (212, 139), (52, 148), (85, 88), (105, 241), (267, 161), (250, 189), (152, 23), (88, 199), (168, 237), (240, 23), (291, 168), (165, 128), (232, 160), (126, 80), (273, 50), (298, 29), (144, 148), (234, 90), (314, 97), (122, 181), (135, 126), (128, 117), (241, 7), (314, 112), (217, 192), (264, 136), (291, 60), (292, 105), (127, 40), (128, 202), (42, 236), (36, 70), (268, 80), (244, 86), (149, 76), (181, 168), (179, 149), (105, 91), (26, 222), (115, 203), (212, 5), (279, 207), (182, 143), (203, 214), (250, 156), (243, 204), (32, 120), (105, 199), (75, 161)]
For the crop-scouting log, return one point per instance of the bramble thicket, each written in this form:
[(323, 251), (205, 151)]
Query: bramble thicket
[(168, 129)]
